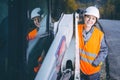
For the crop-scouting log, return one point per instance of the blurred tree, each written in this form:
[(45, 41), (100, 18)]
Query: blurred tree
[(109, 9), (71, 6), (117, 9)]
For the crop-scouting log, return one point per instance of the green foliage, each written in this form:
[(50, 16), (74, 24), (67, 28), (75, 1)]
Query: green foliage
[(110, 10), (71, 6), (107, 10)]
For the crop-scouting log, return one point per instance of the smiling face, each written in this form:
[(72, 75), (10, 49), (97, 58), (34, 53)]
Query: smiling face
[(36, 21), (89, 21)]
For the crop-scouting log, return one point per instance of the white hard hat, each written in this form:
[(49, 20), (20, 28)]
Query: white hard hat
[(92, 10), (35, 12)]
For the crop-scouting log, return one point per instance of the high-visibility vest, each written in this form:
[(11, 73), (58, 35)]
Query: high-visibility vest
[(90, 50), (32, 34)]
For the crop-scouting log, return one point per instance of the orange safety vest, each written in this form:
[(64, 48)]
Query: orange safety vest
[(32, 34), (90, 50)]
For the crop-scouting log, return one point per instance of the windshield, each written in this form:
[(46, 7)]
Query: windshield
[(38, 37)]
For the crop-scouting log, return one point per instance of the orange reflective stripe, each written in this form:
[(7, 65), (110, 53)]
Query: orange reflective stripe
[(36, 69), (40, 59), (32, 34), (89, 51)]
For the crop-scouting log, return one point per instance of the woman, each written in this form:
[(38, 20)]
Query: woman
[(38, 44), (92, 46)]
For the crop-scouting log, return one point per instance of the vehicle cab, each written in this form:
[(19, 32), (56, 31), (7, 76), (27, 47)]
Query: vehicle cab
[(54, 43)]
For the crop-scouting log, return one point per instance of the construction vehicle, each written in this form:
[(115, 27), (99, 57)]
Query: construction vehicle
[(64, 48), (62, 59)]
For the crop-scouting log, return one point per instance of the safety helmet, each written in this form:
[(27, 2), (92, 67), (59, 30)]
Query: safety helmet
[(35, 12), (92, 10)]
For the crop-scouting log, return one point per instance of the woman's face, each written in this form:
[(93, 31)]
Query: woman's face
[(89, 20), (37, 21)]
